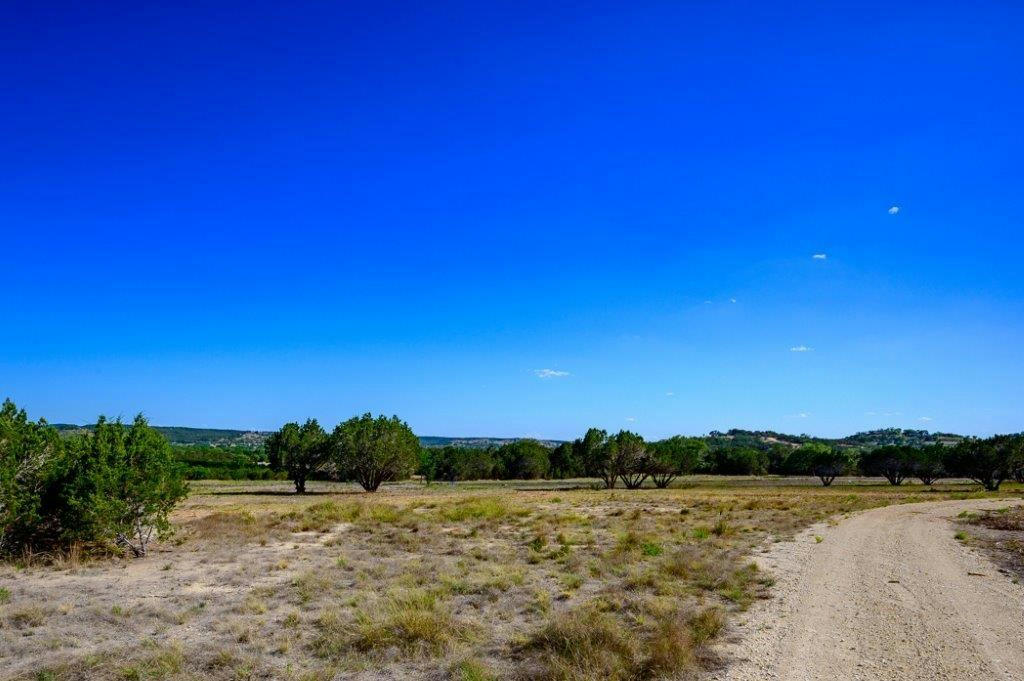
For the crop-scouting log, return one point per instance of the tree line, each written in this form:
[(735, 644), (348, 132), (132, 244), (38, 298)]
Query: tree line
[(115, 484), (627, 459)]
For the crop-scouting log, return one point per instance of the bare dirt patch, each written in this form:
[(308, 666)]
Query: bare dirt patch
[(999, 533)]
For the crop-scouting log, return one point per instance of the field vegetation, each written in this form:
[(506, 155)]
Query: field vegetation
[(466, 581)]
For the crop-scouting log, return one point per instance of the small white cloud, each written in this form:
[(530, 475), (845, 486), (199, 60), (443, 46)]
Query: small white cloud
[(631, 419), (925, 418), (893, 210), (870, 413), (550, 373), (799, 415), (669, 394), (820, 256), (732, 300), (801, 348)]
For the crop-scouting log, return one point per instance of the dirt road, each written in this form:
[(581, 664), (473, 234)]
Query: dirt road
[(888, 594)]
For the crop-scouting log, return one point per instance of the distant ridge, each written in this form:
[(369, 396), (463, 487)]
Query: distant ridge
[(227, 437)]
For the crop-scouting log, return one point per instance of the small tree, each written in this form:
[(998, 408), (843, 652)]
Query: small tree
[(589, 452), (302, 451), (988, 462), (372, 451), (563, 461), (525, 459), (893, 462), (828, 464), (453, 463), (674, 456), (928, 463), (627, 455)]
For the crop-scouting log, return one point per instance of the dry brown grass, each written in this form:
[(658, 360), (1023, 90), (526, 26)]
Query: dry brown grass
[(481, 581)]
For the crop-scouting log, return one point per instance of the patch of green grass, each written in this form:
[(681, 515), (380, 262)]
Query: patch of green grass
[(471, 670), (479, 508), (163, 662), (411, 621), (5, 595)]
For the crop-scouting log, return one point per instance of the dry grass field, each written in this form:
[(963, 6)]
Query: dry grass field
[(476, 581)]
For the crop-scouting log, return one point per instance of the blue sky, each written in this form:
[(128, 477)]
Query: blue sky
[(241, 214)]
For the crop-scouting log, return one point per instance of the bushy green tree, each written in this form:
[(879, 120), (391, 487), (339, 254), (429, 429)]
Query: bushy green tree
[(674, 456), (525, 459), (301, 451), (121, 483), (829, 463), (589, 451), (458, 463), (893, 462), (800, 461), (627, 456), (372, 450), (112, 485), (928, 463), (30, 455), (988, 462), (739, 461), (564, 463)]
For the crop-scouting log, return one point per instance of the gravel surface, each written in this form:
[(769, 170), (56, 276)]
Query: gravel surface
[(887, 594)]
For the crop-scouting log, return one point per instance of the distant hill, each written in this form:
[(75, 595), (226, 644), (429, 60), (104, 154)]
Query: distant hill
[(179, 435), (761, 439), (253, 439), (477, 442)]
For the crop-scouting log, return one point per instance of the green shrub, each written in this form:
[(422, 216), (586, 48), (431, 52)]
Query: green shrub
[(114, 484)]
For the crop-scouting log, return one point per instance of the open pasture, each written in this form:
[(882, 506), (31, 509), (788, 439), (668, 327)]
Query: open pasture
[(539, 580)]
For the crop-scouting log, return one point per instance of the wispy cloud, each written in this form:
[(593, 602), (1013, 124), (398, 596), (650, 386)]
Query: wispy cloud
[(893, 210), (820, 256), (669, 394), (732, 300), (798, 415), (631, 419), (925, 419), (550, 373), (801, 348)]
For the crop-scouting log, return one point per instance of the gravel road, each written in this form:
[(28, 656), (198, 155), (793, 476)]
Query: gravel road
[(887, 594)]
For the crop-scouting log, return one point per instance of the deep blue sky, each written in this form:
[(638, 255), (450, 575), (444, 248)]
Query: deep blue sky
[(241, 214)]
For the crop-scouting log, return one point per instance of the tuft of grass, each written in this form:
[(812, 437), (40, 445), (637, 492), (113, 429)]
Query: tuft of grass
[(583, 644), (160, 663), (27, 617), (5, 595), (471, 670), (961, 536), (651, 548), (411, 621), (706, 625)]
